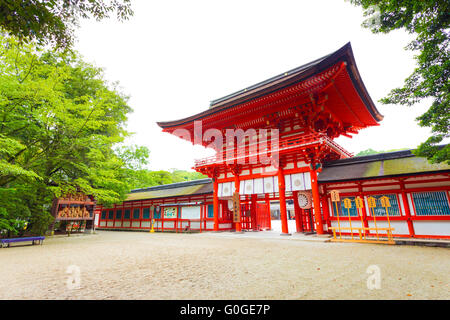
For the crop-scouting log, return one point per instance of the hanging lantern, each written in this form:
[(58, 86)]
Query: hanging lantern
[(304, 199)]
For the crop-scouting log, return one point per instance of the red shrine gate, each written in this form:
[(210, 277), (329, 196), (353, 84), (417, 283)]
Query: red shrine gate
[(271, 139)]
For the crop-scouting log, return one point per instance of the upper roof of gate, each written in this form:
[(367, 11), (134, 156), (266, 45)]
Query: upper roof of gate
[(359, 108)]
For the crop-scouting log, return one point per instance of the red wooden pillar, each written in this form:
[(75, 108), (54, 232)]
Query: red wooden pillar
[(298, 218), (282, 197), (326, 209), (237, 187), (316, 201), (268, 208), (254, 217), (326, 212), (407, 210), (216, 204)]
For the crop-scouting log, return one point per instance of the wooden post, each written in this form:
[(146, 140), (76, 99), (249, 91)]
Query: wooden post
[(326, 212), (364, 211), (237, 187), (255, 224), (282, 196), (268, 208), (316, 201), (216, 204), (407, 210)]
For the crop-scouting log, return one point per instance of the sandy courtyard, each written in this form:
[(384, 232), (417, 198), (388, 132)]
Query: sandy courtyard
[(138, 265)]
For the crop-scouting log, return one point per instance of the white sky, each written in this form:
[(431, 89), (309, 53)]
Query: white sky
[(173, 57)]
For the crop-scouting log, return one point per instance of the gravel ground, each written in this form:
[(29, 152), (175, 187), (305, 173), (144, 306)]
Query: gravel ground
[(141, 265)]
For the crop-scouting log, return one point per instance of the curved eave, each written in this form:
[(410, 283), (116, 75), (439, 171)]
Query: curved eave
[(297, 75)]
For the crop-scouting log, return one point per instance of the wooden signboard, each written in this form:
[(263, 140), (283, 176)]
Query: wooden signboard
[(334, 196), (371, 202), (359, 202), (170, 212), (70, 207), (236, 207), (347, 203), (385, 202)]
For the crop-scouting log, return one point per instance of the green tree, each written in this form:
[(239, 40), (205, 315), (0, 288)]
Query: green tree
[(144, 178), (183, 175), (429, 21), (60, 127), (53, 21), (370, 151)]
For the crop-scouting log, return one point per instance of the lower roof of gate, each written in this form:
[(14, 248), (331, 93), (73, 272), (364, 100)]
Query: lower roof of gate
[(383, 165)]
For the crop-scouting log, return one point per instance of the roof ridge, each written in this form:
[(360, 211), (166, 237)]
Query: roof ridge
[(372, 157), (173, 185)]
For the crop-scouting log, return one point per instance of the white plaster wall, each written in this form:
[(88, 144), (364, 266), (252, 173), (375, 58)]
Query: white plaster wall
[(191, 212), (135, 224), (400, 227), (127, 224), (346, 224), (435, 228), (276, 226), (169, 224), (145, 224), (195, 225)]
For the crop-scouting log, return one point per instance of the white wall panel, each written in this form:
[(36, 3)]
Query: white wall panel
[(226, 189), (219, 189), (195, 225), (268, 185), (127, 224), (435, 228), (298, 182), (307, 177), (169, 224), (258, 186), (191, 212), (248, 186), (287, 182)]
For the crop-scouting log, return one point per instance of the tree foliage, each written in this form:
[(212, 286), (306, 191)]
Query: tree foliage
[(370, 151), (53, 21), (60, 127), (146, 178), (429, 21)]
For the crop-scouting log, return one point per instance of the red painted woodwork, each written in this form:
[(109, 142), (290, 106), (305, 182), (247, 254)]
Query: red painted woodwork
[(316, 200), (262, 216), (282, 196)]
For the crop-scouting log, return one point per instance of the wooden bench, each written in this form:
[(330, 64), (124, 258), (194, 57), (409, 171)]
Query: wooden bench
[(34, 240)]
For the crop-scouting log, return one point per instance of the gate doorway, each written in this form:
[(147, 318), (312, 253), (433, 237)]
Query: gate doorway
[(255, 217), (307, 220)]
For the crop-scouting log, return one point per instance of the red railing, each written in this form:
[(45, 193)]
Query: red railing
[(262, 148)]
